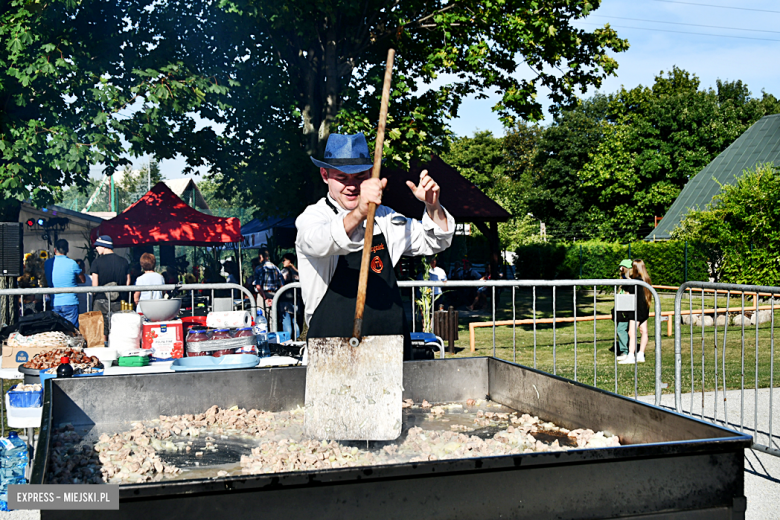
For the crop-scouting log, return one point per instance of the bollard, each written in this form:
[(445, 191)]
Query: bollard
[(445, 325), (452, 316)]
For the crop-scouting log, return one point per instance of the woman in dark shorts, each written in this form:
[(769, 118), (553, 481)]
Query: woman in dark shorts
[(639, 272)]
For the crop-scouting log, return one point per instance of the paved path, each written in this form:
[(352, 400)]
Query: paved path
[(762, 471)]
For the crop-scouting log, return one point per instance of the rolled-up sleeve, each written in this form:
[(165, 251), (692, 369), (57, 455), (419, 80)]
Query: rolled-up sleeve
[(422, 237), (320, 235)]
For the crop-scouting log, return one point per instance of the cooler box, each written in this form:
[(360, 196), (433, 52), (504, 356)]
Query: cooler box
[(164, 338), (278, 337)]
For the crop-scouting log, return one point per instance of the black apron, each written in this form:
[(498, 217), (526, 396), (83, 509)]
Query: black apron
[(384, 315)]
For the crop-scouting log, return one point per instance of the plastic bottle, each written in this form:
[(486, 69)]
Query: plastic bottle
[(3, 479), (261, 333), (64, 370), (13, 457)]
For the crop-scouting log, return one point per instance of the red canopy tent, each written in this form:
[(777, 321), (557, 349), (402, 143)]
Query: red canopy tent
[(161, 217)]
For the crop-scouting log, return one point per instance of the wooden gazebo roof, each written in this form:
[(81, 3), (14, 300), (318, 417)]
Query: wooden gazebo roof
[(464, 201)]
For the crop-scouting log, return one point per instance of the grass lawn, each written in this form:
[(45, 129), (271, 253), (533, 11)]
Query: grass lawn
[(557, 352)]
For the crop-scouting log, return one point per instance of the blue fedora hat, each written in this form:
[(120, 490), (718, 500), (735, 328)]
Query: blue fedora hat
[(346, 153)]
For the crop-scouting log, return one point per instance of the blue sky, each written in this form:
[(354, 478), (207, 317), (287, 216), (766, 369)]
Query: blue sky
[(714, 39), (714, 53)]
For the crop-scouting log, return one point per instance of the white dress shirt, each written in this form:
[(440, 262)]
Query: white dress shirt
[(437, 274), (322, 239)]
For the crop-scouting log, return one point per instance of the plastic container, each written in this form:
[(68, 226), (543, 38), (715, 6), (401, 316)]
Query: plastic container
[(45, 376), (224, 352), (222, 363), (278, 337), (133, 361), (30, 399)]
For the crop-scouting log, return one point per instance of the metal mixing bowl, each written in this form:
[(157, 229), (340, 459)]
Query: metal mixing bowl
[(159, 310)]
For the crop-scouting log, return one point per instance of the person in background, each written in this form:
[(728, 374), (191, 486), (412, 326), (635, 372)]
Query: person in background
[(621, 317), (231, 269), (61, 271), (480, 299), (436, 274), (170, 275), (289, 271), (268, 279), (108, 269), (135, 271), (84, 302), (289, 309), (150, 277), (645, 298)]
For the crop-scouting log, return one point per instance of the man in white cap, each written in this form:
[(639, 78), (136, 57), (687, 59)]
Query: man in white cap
[(330, 244)]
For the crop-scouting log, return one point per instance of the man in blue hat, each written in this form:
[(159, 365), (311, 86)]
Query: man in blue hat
[(330, 244)]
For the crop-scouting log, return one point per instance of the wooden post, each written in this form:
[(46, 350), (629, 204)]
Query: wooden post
[(452, 328)]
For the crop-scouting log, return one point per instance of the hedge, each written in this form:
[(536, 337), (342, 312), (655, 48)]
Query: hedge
[(665, 261)]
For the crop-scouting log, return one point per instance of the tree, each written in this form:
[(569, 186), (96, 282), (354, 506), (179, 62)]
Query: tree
[(311, 68), (68, 71), (555, 195), (130, 186), (235, 206), (480, 158), (607, 167), (499, 166), (741, 227)]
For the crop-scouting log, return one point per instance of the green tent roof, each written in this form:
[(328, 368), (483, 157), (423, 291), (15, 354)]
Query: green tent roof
[(759, 144)]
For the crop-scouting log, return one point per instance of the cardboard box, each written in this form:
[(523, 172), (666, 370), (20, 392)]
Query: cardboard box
[(164, 338), (15, 356)]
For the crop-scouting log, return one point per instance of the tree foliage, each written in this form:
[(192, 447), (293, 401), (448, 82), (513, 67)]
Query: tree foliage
[(307, 69), (69, 73), (742, 227), (556, 197), (130, 185), (498, 167), (594, 259), (607, 167)]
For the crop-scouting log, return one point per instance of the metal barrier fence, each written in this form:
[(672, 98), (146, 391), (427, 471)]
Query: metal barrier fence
[(535, 320), (191, 288), (729, 361)]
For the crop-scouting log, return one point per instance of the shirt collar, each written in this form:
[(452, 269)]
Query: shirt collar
[(334, 204)]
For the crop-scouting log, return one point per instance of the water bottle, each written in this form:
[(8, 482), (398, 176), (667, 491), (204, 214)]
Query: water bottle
[(13, 458), (261, 333)]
